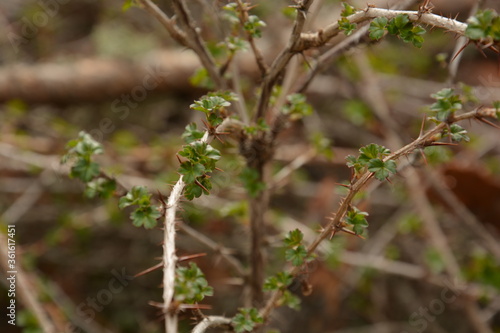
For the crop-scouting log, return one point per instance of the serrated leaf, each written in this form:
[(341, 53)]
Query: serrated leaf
[(357, 219), (101, 187), (279, 281), (382, 169), (378, 28), (296, 255), (85, 170), (457, 133), (191, 171), (246, 320), (192, 191), (294, 238), (191, 133), (347, 26), (372, 151), (191, 285), (145, 216), (138, 195), (348, 10)]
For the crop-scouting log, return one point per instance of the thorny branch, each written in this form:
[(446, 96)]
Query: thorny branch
[(335, 222)]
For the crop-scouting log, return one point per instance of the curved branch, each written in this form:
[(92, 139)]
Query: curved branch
[(283, 58), (320, 37), (335, 223), (212, 321)]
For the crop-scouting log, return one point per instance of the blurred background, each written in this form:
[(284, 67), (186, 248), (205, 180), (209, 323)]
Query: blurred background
[(73, 65)]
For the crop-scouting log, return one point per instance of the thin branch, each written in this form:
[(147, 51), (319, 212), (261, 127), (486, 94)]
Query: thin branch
[(286, 171), (259, 59), (212, 321), (335, 223), (322, 36), (224, 252), (169, 23), (346, 44), (282, 59), (197, 43)]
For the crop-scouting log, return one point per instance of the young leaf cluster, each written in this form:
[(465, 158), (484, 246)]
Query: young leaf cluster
[(213, 105), (371, 158), (252, 25), (457, 133), (84, 168), (296, 252), (400, 26), (447, 103), (297, 107), (281, 281), (145, 214), (344, 23), (200, 156), (246, 320), (485, 25), (357, 220), (191, 285)]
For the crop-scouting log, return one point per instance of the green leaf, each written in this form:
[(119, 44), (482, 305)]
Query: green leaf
[(434, 260), (372, 151), (145, 216), (246, 320), (297, 106), (496, 105), (101, 187), (191, 133), (201, 79), (398, 24), (322, 145), (483, 25), (297, 256), (294, 238), (191, 171), (231, 13), (209, 103), (377, 28), (382, 169), (348, 10), (138, 195), (85, 170), (194, 190), (234, 44), (457, 133), (347, 26), (252, 26), (279, 281), (446, 104), (191, 285), (357, 219), (128, 4)]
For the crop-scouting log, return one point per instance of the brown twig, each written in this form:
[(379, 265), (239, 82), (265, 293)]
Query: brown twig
[(197, 44), (259, 59), (282, 59)]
